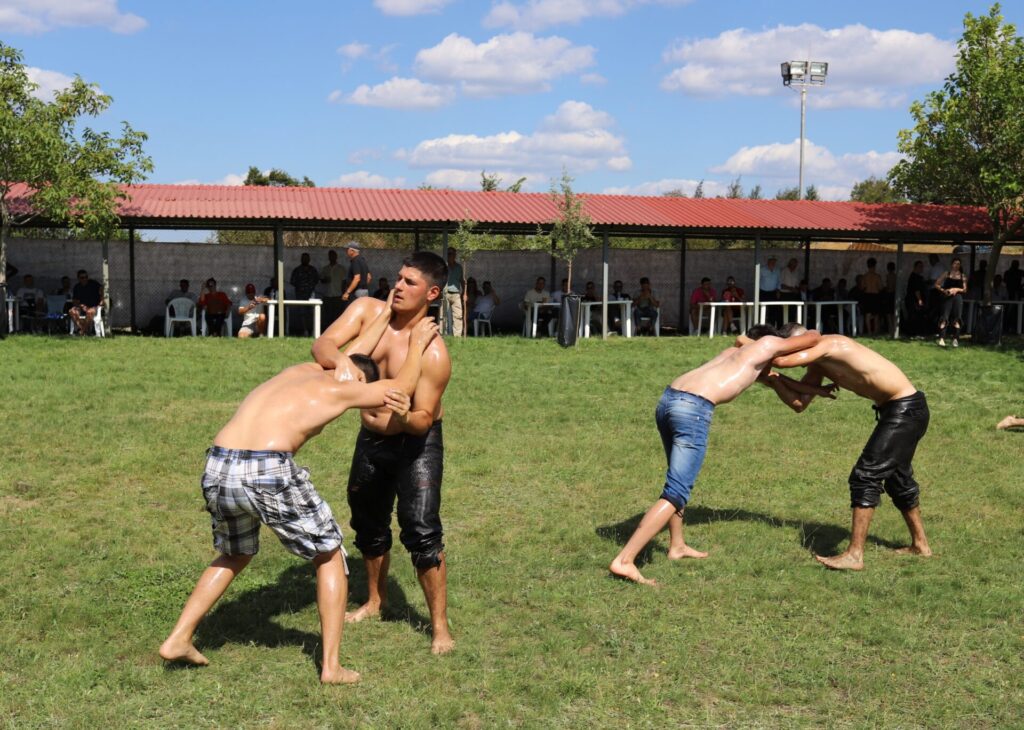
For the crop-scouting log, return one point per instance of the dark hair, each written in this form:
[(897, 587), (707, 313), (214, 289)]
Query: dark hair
[(82, 271), (430, 265), (760, 330), (705, 280), (644, 280), (788, 329), (368, 366), (871, 262)]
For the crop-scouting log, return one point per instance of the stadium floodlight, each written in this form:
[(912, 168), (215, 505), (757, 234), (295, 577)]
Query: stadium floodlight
[(803, 74)]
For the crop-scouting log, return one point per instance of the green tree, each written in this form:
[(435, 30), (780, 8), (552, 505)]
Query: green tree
[(755, 193), (698, 192), (73, 176), (571, 231), (735, 189), (811, 193), (967, 144), (675, 193), (875, 190), (276, 179), (792, 193), (489, 183)]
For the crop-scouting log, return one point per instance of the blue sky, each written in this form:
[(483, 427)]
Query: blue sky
[(630, 96)]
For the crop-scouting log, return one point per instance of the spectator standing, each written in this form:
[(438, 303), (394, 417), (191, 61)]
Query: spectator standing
[(304, 279), (454, 291), (86, 297), (332, 277), (952, 286), (1012, 277), (976, 281), (825, 292), (701, 295), (31, 301), (731, 293), (216, 305), (358, 283), (871, 286), (789, 280), (916, 301)]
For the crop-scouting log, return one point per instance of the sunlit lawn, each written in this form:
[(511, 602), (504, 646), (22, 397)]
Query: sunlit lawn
[(552, 456)]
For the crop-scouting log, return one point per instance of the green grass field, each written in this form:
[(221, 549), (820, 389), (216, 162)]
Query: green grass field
[(552, 456)]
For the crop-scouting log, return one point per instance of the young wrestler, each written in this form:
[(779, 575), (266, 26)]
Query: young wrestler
[(251, 479), (683, 416), (902, 419)]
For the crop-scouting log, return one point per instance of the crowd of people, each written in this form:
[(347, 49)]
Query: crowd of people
[(645, 310)]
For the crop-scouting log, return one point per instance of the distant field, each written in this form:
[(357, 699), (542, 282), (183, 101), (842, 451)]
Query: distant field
[(552, 456)]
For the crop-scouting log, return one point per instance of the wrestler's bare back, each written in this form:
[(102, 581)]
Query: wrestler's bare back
[(853, 367), (390, 354), (732, 371), (284, 412)]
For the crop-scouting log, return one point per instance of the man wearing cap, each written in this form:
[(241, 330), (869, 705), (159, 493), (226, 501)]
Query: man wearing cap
[(358, 283), (453, 290)]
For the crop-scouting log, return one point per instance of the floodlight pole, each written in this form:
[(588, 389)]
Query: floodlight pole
[(803, 126)]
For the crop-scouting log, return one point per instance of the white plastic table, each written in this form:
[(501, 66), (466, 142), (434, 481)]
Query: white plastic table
[(13, 310), (842, 305), (272, 310), (624, 304), (742, 306), (536, 308)]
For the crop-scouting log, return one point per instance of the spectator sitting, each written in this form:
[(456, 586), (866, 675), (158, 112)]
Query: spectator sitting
[(999, 293), (590, 295), (842, 293), (731, 293), (537, 295), (472, 294), (556, 297), (617, 295), (702, 294), (383, 289), (216, 305), (484, 306), (31, 300), (254, 321), (824, 292), (645, 305), (270, 291), (85, 298), (802, 293), (181, 291)]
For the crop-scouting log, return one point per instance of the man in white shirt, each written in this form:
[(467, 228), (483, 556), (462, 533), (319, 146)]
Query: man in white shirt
[(789, 280), (538, 295), (556, 297)]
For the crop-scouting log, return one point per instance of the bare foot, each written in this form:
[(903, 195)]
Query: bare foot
[(442, 642), (684, 552), (629, 571), (339, 675), (367, 610), (845, 561), (172, 651), (1007, 422), (924, 551)]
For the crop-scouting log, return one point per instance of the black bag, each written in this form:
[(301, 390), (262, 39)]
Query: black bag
[(988, 325), (568, 320)]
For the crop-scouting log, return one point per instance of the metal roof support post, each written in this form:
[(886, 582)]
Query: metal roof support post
[(683, 315), (279, 269), (807, 264), (131, 275), (444, 245), (757, 279), (899, 293), (106, 282), (974, 253), (604, 290)]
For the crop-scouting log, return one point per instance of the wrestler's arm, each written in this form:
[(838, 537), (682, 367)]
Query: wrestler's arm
[(327, 347), (787, 345), (371, 334), (436, 371)]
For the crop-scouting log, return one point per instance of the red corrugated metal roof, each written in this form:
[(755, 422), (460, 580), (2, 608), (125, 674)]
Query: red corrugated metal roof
[(165, 204)]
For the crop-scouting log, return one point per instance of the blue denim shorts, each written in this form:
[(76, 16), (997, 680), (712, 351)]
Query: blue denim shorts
[(683, 421)]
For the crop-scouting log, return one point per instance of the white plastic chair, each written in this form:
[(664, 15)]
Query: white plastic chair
[(654, 325), (482, 320), (179, 309), (228, 322), (99, 327)]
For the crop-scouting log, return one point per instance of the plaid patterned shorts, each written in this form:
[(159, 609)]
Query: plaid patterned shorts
[(243, 489)]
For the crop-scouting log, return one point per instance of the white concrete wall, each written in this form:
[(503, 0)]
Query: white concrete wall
[(159, 266)]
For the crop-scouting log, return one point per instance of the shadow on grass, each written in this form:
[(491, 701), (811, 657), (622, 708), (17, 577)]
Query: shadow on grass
[(249, 618), (818, 537)]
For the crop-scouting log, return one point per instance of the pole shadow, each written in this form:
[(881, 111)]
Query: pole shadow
[(818, 537)]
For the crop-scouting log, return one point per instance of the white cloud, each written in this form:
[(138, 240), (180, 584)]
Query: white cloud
[(353, 50), (50, 82), (594, 79), (470, 179), (537, 14), (229, 179), (364, 179), (512, 63), (563, 140), (665, 185), (822, 168), (40, 16), (867, 67), (398, 93), (409, 7)]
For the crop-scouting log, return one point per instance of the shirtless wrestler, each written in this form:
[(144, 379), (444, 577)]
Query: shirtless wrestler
[(902, 419), (251, 479), (400, 451), (683, 417)]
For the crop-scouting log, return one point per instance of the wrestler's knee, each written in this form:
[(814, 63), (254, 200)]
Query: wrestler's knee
[(905, 498), (677, 496), (864, 494), (427, 555), (373, 545)]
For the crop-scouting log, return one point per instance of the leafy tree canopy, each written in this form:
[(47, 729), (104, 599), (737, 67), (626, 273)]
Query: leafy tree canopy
[(276, 178), (875, 190)]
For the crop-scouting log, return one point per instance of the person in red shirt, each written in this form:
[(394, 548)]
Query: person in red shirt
[(731, 293), (703, 293), (216, 304)]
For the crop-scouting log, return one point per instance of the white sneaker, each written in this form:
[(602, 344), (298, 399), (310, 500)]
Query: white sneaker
[(942, 342), (956, 343)]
